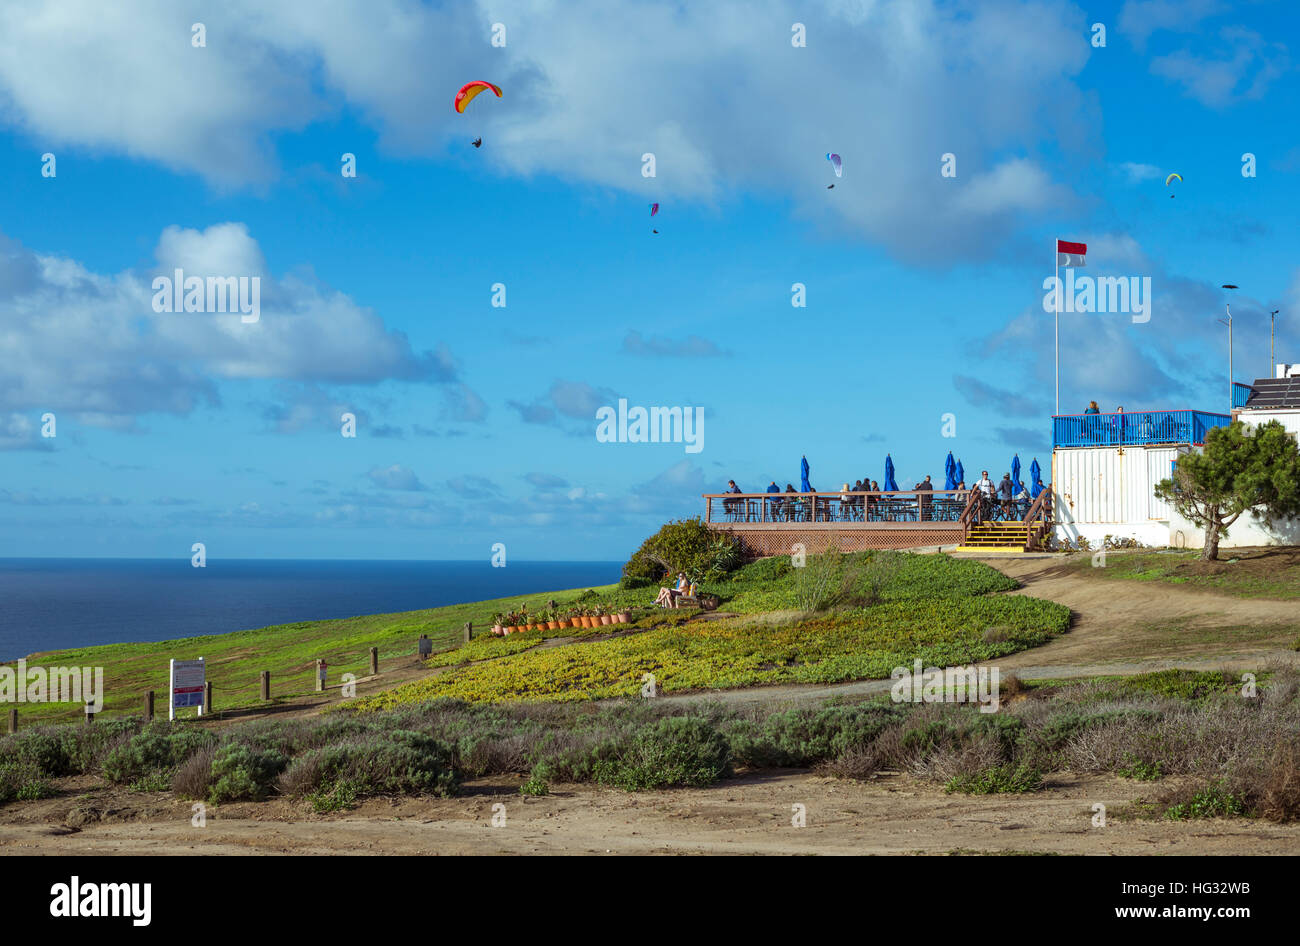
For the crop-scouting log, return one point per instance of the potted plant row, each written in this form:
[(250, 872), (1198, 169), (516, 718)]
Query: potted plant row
[(515, 622)]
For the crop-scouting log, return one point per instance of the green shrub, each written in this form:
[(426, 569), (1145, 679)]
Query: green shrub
[(1002, 779), (1212, 801), (156, 751), (685, 545), (22, 780), (677, 751), (400, 762), (1140, 770), (535, 786), (803, 737), (240, 771)]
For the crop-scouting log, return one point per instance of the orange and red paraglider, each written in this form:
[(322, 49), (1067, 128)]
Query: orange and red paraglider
[(471, 89)]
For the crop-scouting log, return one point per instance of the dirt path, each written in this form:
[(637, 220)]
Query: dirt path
[(750, 814)]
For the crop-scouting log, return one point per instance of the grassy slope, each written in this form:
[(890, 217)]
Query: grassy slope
[(934, 607), (236, 660), (1273, 573)]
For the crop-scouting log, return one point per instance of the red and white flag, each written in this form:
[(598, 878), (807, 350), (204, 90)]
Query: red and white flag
[(1070, 254)]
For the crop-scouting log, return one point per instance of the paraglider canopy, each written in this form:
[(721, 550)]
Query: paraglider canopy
[(834, 159), (1171, 177), (471, 89), (654, 209)]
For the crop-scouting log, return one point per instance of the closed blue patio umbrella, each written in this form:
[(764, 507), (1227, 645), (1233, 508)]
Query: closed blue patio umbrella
[(949, 472), (1016, 486), (960, 475), (804, 485), (1035, 474), (889, 485)]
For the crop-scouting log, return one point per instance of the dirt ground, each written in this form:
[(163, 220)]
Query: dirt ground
[(750, 814), (1118, 628)]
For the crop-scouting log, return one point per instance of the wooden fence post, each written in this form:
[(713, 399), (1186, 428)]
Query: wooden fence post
[(13, 720), (266, 686), (320, 681), (148, 706), (469, 631), (207, 697), (374, 661), (90, 717)]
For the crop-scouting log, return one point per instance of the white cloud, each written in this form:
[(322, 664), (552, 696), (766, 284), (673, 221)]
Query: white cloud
[(714, 90), (1244, 69), (92, 344), (396, 477)]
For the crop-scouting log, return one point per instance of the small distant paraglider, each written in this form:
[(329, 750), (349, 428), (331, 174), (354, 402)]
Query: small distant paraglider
[(654, 209), (466, 95), (1170, 179), (834, 159)]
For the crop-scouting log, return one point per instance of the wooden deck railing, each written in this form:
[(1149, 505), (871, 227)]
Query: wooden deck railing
[(863, 508), (1039, 518)]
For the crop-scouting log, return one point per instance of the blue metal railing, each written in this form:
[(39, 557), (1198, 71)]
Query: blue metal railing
[(1241, 393), (1135, 429)]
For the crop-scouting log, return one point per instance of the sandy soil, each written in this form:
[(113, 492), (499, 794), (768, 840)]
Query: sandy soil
[(750, 814)]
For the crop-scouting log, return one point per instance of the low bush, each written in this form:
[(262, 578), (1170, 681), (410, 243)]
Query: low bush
[(241, 772), (391, 763), (681, 751), (1007, 778)]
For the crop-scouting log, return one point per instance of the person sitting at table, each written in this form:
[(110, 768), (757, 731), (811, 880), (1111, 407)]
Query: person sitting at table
[(844, 500), (792, 509), (731, 505), (1023, 500), (774, 504), (871, 486)]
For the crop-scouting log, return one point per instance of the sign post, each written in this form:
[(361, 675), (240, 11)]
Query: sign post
[(188, 678)]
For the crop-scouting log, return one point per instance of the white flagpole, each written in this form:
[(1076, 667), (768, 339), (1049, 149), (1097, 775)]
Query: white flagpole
[(1056, 256)]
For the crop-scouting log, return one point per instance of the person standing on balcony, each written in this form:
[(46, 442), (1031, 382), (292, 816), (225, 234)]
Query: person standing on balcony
[(923, 491), (1006, 493), (1093, 408)]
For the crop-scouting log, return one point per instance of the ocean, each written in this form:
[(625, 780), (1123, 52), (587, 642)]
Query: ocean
[(48, 604)]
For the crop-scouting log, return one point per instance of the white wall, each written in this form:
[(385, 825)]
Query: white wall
[(1102, 491)]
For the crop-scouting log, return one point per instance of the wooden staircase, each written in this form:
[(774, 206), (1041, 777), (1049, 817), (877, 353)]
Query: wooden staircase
[(997, 537), (1008, 537)]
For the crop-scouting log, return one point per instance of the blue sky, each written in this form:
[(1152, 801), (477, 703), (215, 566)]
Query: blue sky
[(476, 424)]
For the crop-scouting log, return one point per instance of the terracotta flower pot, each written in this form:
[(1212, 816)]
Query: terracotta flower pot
[(497, 629), (624, 617), (552, 625), (606, 619), (588, 621)]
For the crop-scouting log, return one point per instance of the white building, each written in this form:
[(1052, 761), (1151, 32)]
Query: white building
[(1105, 467)]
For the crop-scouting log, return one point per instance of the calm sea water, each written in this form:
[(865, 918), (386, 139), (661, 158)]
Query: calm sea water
[(47, 604)]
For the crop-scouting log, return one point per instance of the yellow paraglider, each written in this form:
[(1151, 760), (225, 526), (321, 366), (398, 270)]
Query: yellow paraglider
[(1170, 179)]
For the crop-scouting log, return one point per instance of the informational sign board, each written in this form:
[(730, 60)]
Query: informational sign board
[(188, 678)]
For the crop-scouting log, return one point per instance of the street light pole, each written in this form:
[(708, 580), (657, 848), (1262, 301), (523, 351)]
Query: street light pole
[(1272, 318), (1228, 308)]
